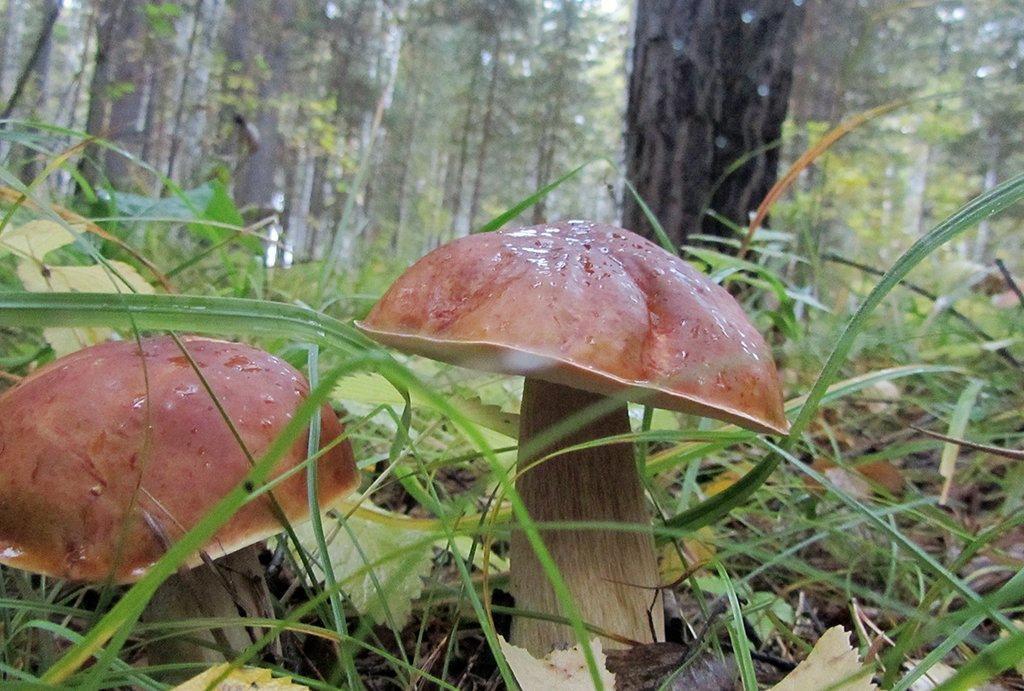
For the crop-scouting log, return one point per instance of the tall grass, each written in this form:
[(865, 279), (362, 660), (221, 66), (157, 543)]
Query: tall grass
[(783, 543)]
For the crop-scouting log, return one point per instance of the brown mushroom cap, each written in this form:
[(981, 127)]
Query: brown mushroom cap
[(590, 306), (84, 481)]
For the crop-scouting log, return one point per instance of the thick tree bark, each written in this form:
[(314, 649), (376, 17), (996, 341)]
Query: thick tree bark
[(709, 85)]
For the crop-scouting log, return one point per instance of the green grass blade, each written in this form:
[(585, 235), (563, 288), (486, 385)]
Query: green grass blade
[(738, 633), (969, 215), (521, 206)]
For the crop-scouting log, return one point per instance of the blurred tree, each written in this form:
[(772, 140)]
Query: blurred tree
[(257, 51), (710, 84), (116, 92)]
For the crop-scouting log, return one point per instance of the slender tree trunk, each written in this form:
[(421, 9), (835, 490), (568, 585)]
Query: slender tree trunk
[(116, 91), (540, 175), (403, 175), (982, 251), (10, 48), (710, 83), (458, 179), (76, 91), (317, 210), (265, 28), (485, 134), (32, 90), (917, 187), (186, 74), (37, 65)]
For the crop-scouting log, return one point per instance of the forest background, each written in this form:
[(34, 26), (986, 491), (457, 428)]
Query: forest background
[(307, 152)]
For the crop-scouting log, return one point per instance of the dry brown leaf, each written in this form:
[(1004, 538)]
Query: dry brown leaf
[(881, 396), (564, 670), (245, 679), (856, 479), (832, 664)]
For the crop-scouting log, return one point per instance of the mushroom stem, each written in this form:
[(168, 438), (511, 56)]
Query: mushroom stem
[(611, 574), (232, 587)]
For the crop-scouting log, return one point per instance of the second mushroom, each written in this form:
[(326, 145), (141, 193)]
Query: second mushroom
[(593, 316)]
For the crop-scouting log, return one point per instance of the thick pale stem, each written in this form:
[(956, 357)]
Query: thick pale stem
[(233, 587), (612, 574)]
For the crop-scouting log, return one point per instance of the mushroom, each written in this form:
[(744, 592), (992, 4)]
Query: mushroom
[(113, 452), (592, 316)]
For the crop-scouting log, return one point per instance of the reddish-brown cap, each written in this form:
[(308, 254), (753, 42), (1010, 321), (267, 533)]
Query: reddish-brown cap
[(590, 306), (108, 453)]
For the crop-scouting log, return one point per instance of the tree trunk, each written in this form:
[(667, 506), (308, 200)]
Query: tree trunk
[(189, 115), (485, 134), (264, 34), (459, 174), (116, 91), (10, 48), (710, 83), (32, 89), (403, 174)]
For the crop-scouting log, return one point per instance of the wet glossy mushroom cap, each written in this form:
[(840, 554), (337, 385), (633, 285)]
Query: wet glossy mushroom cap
[(99, 455), (589, 306)]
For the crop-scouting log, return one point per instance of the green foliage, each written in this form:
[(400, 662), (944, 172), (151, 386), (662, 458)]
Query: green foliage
[(796, 530)]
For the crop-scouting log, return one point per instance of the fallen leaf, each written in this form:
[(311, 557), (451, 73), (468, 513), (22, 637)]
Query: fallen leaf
[(374, 389), (833, 664), (936, 674), (379, 565), (31, 242), (36, 239), (245, 679), (563, 670), (881, 396), (857, 479), (725, 479), (698, 548), (650, 666)]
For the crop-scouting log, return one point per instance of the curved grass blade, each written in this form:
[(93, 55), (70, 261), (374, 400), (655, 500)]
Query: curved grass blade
[(521, 206), (966, 217), (809, 157), (179, 312), (997, 657)]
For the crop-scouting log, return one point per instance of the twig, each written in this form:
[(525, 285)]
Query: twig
[(1012, 454), (1010, 282), (977, 330), (37, 51)]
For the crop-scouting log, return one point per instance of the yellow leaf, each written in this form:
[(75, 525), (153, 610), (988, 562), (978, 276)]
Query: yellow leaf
[(564, 670), (698, 548), (375, 389), (725, 480), (120, 277), (380, 565), (36, 238), (245, 679), (833, 664), (32, 242)]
